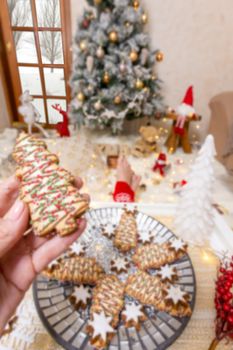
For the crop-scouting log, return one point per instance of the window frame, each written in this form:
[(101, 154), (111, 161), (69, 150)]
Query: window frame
[(9, 65)]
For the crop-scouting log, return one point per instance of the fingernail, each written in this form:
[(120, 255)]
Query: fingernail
[(16, 210)]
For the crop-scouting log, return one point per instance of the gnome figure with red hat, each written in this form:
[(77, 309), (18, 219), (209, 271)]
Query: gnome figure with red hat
[(160, 164), (183, 110), (182, 116)]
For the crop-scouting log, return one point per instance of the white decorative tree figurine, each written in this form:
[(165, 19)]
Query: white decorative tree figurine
[(195, 214), (30, 114)]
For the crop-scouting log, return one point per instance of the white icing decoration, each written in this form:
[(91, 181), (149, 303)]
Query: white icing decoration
[(177, 244), (55, 261), (120, 263), (82, 294), (109, 230), (131, 209), (167, 272), (77, 248), (175, 294), (52, 263), (132, 312), (145, 236), (101, 325)]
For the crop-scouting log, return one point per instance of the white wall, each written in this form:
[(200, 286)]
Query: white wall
[(197, 40)]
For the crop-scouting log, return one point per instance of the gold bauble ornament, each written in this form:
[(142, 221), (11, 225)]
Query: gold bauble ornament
[(144, 18), (153, 77), (136, 4), (117, 100), (83, 45), (127, 24), (80, 97), (106, 78), (133, 56), (97, 2), (139, 84), (159, 56), (113, 36), (146, 89)]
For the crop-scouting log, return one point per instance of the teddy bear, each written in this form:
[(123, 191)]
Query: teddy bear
[(148, 142)]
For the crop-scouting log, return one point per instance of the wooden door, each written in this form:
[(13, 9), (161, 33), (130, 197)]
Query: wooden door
[(35, 54)]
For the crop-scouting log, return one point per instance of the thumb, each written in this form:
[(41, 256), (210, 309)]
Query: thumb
[(13, 226)]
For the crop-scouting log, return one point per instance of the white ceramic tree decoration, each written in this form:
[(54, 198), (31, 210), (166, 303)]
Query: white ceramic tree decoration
[(30, 114), (195, 214)]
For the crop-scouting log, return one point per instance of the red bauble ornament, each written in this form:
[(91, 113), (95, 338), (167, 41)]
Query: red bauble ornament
[(230, 279), (85, 23), (226, 307), (227, 285), (220, 290), (226, 297), (222, 315)]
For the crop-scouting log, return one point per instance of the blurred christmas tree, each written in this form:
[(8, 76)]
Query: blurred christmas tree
[(113, 72)]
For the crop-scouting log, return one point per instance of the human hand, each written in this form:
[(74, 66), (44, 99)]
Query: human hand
[(23, 257), (124, 171), (126, 174)]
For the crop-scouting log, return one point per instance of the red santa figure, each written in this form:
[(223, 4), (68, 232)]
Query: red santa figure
[(160, 164), (62, 127), (183, 110)]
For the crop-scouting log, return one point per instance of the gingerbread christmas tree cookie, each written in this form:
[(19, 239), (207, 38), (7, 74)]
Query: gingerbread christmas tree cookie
[(79, 270), (126, 232), (108, 296), (54, 203), (153, 256), (148, 290)]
